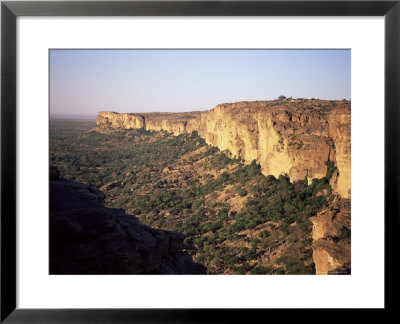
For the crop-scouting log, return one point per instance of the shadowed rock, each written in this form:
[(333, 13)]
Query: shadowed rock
[(88, 238)]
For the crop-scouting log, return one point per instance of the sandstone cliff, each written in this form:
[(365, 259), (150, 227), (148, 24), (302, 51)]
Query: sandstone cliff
[(174, 123), (117, 120), (295, 136), (87, 238), (331, 238)]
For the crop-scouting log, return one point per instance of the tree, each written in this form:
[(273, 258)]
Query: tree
[(281, 97)]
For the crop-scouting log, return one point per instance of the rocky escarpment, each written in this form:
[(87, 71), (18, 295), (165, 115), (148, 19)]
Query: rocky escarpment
[(120, 120), (296, 136), (87, 238), (340, 132), (331, 238), (174, 123)]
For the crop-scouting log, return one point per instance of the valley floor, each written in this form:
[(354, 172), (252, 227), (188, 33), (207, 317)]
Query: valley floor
[(238, 220)]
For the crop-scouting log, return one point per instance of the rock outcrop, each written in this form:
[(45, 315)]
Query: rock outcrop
[(174, 123), (340, 131), (331, 238), (120, 120), (87, 238), (295, 137)]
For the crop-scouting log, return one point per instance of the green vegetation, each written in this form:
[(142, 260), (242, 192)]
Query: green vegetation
[(239, 220), (344, 234)]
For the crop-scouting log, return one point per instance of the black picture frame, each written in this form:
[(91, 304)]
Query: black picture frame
[(10, 10)]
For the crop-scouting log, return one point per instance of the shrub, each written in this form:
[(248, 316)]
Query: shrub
[(242, 192), (344, 233), (330, 169), (242, 269), (264, 234), (307, 241)]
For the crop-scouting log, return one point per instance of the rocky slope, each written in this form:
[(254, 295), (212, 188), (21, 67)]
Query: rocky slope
[(295, 136), (87, 238), (331, 238)]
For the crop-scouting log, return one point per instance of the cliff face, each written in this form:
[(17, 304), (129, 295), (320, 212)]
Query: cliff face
[(87, 238), (283, 139), (331, 238), (117, 120), (295, 137), (340, 132), (174, 123)]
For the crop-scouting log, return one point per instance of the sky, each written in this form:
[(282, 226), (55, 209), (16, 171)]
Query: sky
[(84, 82)]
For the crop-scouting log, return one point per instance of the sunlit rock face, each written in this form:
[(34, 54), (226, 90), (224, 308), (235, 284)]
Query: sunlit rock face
[(117, 120), (340, 130), (295, 136), (331, 238)]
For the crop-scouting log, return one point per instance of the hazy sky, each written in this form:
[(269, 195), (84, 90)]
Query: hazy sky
[(87, 81)]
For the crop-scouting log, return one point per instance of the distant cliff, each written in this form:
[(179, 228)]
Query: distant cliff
[(294, 136), (88, 238)]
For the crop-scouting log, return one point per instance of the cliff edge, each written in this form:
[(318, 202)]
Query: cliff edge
[(296, 136)]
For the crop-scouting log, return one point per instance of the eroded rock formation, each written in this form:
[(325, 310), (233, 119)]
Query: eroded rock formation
[(87, 238), (296, 137), (331, 238)]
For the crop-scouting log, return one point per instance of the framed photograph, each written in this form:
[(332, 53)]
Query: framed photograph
[(164, 158)]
